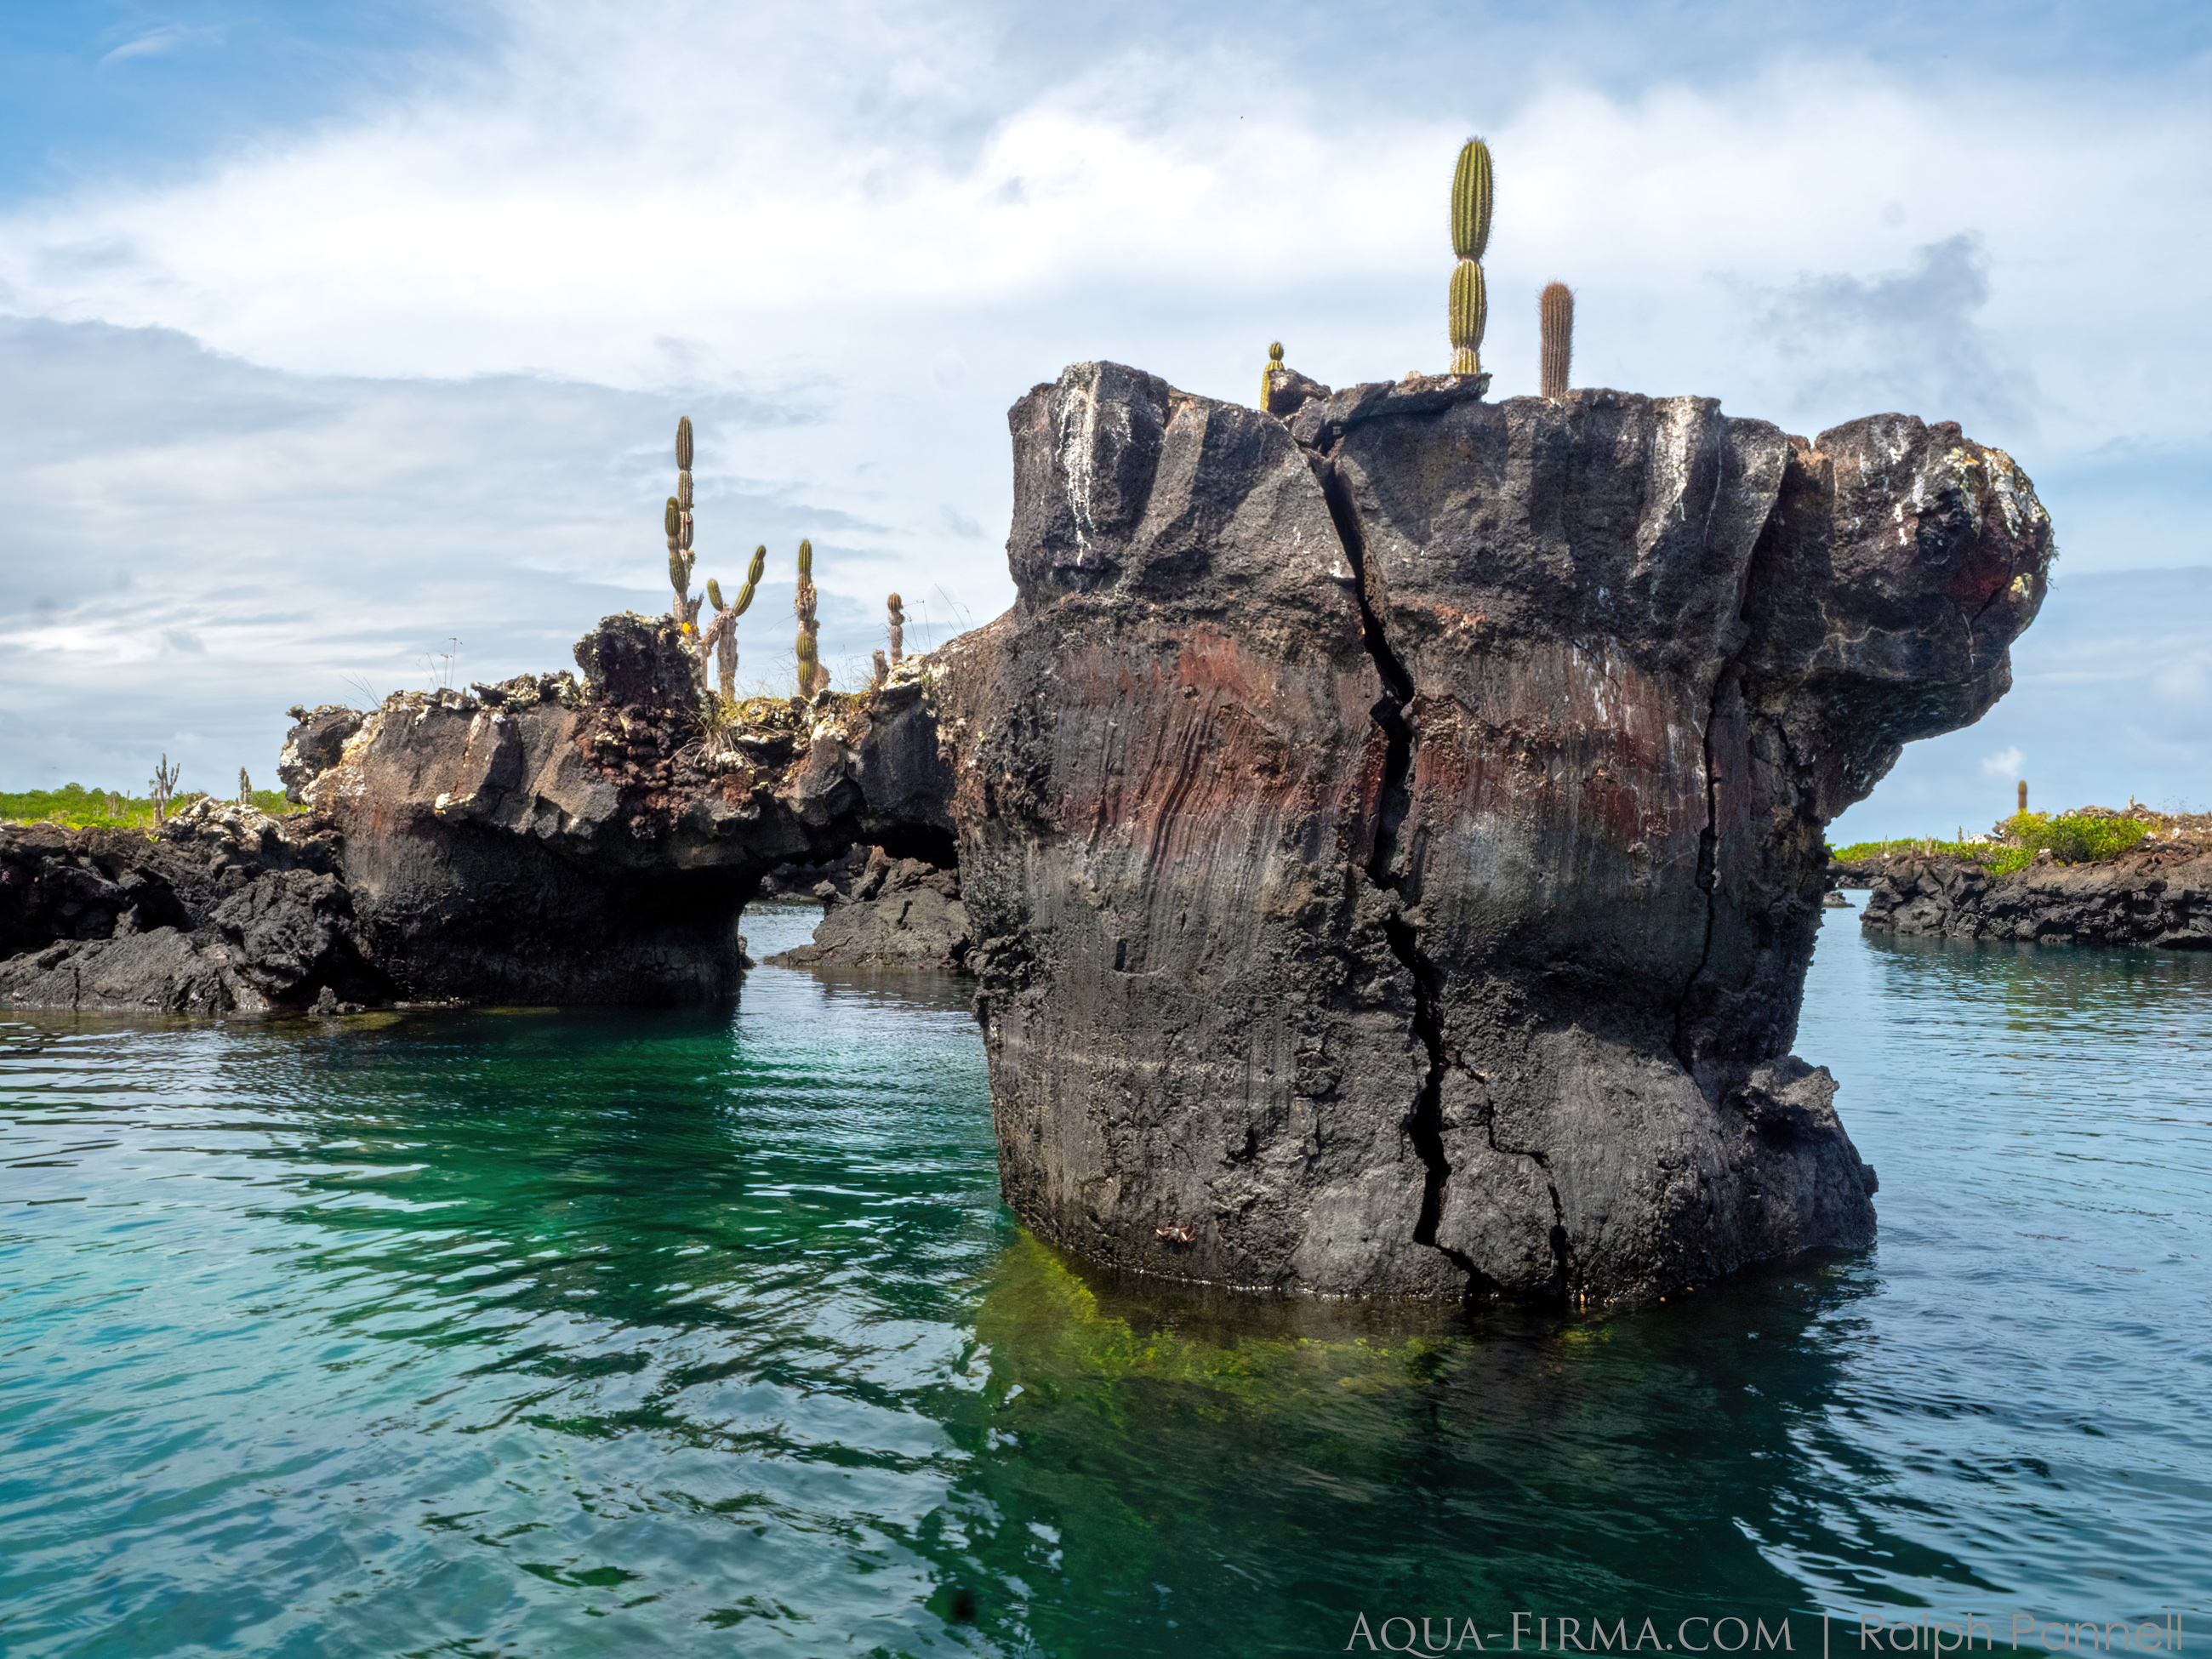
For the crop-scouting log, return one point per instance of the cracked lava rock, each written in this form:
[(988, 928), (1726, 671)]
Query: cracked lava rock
[(1393, 835)]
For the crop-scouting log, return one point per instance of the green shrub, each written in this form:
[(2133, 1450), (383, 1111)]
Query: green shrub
[(80, 808), (2072, 839)]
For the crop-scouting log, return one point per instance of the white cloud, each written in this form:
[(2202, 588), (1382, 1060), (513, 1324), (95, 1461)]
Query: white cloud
[(158, 42), (2005, 763), (846, 238)]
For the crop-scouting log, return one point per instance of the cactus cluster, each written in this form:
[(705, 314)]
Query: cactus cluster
[(1555, 316), (245, 788), (719, 636), (1470, 307), (717, 640), (1468, 310)]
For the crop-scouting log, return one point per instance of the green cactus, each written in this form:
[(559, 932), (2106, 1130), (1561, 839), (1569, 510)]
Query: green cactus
[(812, 675), (1469, 307), (1267, 377), (1470, 312), (1555, 314), (163, 787), (720, 637), (1471, 198), (677, 519)]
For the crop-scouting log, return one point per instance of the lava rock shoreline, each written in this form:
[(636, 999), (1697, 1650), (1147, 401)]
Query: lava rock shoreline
[(228, 910), (2159, 897)]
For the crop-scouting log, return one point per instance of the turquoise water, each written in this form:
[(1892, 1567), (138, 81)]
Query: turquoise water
[(516, 1332)]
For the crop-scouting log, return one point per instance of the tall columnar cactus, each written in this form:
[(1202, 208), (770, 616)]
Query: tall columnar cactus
[(897, 628), (677, 519), (1555, 314), (245, 788), (812, 675), (162, 787), (720, 635), (1469, 308), (1267, 377)]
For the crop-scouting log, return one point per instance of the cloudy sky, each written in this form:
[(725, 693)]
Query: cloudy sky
[(339, 340)]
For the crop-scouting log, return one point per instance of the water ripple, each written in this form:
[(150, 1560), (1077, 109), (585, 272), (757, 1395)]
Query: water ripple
[(510, 1332)]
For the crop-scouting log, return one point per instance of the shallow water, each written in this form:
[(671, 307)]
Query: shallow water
[(518, 1333)]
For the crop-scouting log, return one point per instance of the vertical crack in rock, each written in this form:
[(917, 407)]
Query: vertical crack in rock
[(1424, 1124), (1709, 838), (1707, 877), (1563, 1252)]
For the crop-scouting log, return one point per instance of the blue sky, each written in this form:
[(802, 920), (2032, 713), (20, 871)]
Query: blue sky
[(336, 335)]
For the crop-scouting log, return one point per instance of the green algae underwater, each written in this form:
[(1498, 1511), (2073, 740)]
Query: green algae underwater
[(511, 1332)]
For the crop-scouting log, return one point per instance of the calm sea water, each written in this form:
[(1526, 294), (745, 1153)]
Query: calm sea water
[(705, 1332)]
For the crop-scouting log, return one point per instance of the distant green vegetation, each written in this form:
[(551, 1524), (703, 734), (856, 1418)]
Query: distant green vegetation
[(2072, 839), (82, 808)]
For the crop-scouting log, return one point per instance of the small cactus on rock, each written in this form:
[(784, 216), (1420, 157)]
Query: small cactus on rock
[(897, 628), (813, 677), (719, 636), (162, 787), (1469, 309), (245, 788), (1267, 375), (1555, 315)]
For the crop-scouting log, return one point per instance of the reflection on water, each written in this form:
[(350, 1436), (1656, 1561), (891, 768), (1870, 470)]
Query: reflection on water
[(525, 1332)]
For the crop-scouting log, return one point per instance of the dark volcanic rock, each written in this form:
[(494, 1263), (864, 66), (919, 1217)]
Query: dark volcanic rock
[(537, 842), (886, 912), (2159, 896), (1393, 837), (227, 910), (314, 745)]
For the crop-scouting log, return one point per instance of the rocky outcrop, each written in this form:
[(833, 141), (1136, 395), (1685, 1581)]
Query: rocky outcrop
[(1393, 836), (226, 910), (551, 840), (2160, 895), (883, 912)]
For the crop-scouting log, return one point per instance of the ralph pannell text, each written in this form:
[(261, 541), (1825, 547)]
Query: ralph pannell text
[(1826, 1634)]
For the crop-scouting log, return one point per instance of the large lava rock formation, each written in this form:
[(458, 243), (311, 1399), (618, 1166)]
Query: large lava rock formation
[(1393, 836)]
